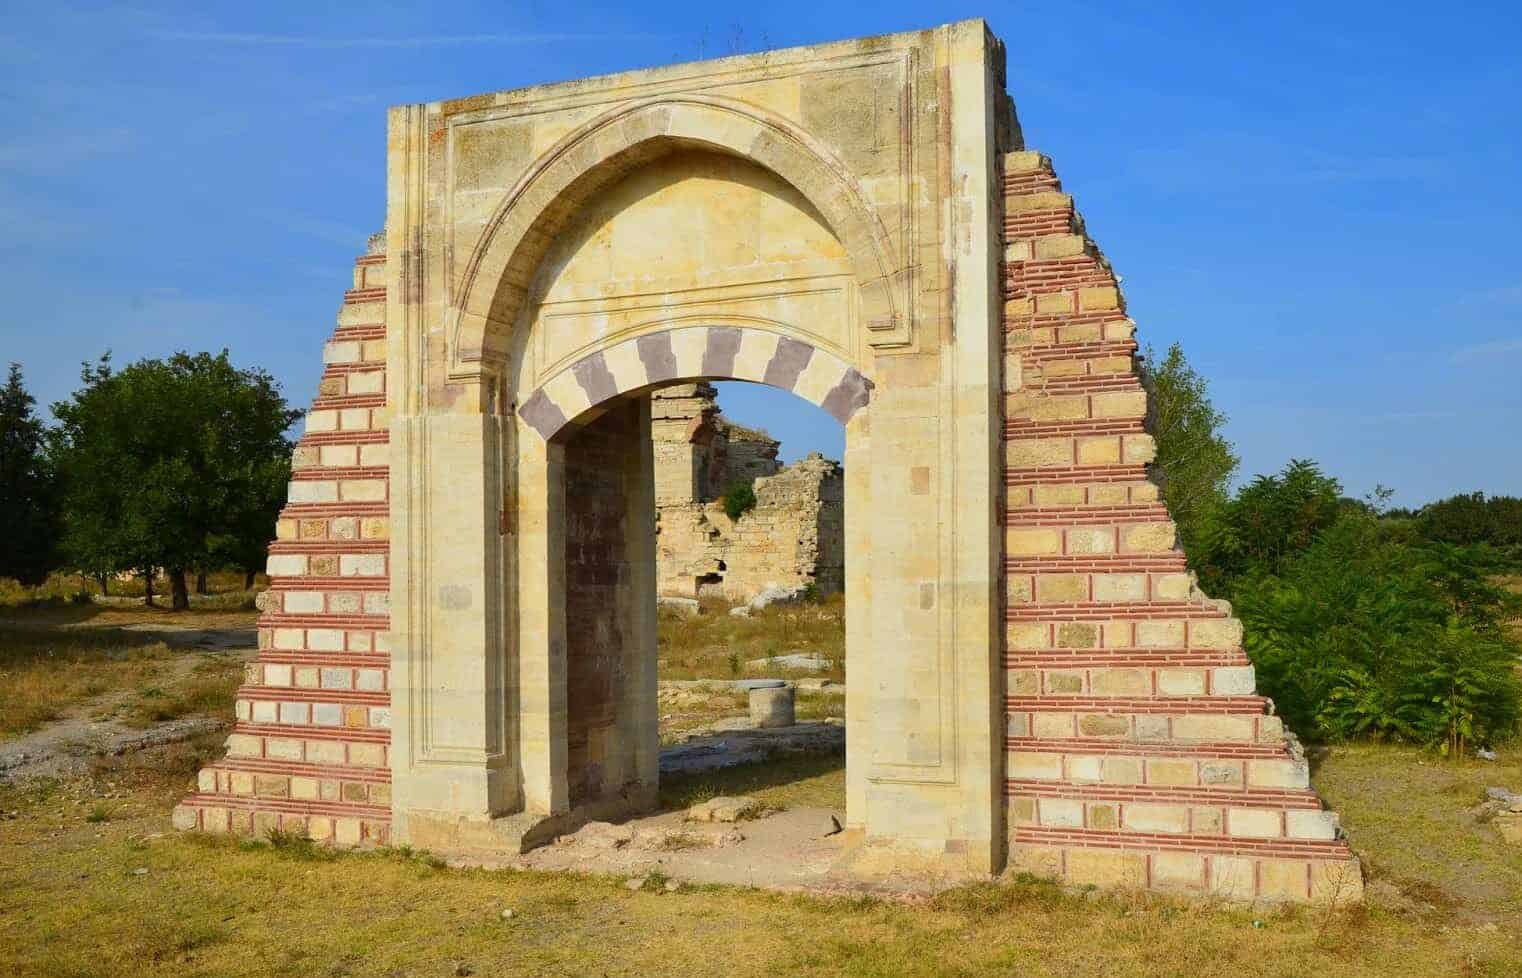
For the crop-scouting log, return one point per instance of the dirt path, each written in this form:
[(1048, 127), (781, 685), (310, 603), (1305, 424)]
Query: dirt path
[(98, 727)]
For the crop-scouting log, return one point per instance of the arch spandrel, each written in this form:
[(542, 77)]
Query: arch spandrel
[(690, 353), (497, 277)]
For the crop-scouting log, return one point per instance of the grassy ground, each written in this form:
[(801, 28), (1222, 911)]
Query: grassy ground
[(58, 653), (1408, 813), (685, 710), (805, 781), (713, 645), (96, 884), (44, 674)]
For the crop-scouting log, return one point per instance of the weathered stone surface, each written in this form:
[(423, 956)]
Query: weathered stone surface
[(794, 536), (771, 706), (724, 809)]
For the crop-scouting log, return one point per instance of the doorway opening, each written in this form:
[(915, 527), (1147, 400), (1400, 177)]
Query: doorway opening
[(705, 612)]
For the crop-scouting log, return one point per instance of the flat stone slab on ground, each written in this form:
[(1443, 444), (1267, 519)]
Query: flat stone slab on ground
[(734, 742), (792, 660), (724, 809)]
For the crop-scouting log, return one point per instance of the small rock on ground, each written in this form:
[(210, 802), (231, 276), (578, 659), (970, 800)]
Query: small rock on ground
[(724, 809)]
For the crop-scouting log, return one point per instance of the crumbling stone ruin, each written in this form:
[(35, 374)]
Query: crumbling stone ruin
[(458, 647), (793, 538)]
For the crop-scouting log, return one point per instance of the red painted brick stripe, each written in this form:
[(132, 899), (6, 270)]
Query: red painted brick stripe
[(296, 657), (1074, 473), (259, 765), (1218, 795), (1087, 838), (1088, 657), (375, 436), (1249, 705), (1089, 745), (1087, 611), (329, 584), (363, 735), (315, 510), (275, 619), (1104, 563), (340, 401), (330, 547), (321, 474), (1021, 429), (1061, 516), (336, 370), (307, 694), (254, 803)]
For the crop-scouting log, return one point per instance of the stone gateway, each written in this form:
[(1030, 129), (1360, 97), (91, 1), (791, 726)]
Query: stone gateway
[(457, 649)]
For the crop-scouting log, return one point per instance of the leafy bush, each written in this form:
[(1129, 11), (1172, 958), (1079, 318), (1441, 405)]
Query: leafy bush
[(739, 499), (1370, 631)]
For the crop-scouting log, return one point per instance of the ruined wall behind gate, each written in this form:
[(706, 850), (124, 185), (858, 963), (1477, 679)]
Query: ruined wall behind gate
[(1139, 752)]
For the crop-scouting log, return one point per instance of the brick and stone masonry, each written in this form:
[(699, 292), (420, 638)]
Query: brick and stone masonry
[(308, 751), (1138, 750)]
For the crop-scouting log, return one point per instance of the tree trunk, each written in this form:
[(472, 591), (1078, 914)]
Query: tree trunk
[(248, 580), (180, 594), (105, 584), (148, 587), (200, 582)]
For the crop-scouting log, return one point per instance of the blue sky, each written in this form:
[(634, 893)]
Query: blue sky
[(1320, 201)]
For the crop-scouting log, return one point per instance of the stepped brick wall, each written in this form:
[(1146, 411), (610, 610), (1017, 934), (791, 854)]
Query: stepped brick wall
[(1138, 751), (308, 752)]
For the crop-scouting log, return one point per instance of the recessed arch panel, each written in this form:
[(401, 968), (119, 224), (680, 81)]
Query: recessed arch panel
[(549, 194)]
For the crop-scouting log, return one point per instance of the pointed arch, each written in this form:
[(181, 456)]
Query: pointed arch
[(552, 190)]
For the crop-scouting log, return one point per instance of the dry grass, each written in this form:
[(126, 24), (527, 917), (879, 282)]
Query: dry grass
[(1408, 812), (800, 781), (206, 689), (75, 905), (45, 673), (713, 645), (686, 710)]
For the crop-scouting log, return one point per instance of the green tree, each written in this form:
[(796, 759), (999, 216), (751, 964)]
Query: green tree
[(171, 463), (1195, 462), (1271, 520), (28, 528)]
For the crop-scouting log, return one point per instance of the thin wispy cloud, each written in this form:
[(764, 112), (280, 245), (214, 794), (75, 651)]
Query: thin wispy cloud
[(1395, 417), (421, 41), (1483, 352), (49, 149), (332, 232)]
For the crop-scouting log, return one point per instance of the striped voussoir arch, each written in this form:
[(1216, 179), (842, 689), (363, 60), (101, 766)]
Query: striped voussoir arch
[(696, 353)]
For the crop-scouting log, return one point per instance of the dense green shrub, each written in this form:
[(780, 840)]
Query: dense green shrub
[(739, 499), (1371, 631)]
